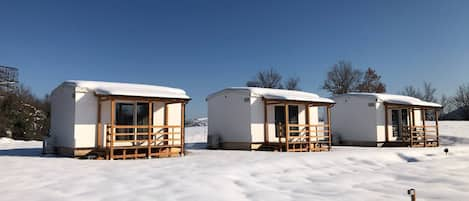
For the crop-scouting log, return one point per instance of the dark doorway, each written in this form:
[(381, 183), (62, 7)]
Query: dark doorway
[(280, 118)]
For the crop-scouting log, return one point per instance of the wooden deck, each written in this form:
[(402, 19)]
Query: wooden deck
[(157, 141), (305, 138)]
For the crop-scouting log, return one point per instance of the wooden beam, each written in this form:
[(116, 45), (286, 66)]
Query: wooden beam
[(287, 127), (386, 132), (145, 99), (183, 118), (402, 106), (266, 124), (281, 101)]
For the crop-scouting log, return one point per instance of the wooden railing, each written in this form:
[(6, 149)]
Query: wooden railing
[(305, 137), (422, 136), (153, 138)]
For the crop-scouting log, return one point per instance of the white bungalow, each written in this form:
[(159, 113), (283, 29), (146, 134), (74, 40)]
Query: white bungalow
[(258, 118), (373, 119), (116, 120)]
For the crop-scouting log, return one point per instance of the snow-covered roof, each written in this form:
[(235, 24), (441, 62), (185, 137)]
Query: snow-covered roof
[(397, 99), (278, 94), (129, 89)]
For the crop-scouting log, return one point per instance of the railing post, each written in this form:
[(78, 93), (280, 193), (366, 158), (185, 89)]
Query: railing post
[(172, 137), (316, 136)]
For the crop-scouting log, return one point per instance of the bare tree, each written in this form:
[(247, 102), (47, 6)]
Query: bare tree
[(412, 92), (342, 78), (461, 99), (371, 82), (292, 83), (429, 92), (447, 104), (266, 79)]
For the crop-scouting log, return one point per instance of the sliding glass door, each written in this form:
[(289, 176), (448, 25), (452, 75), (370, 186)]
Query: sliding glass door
[(132, 114)]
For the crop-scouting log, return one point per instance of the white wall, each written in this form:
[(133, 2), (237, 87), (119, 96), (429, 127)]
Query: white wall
[(174, 119), (86, 118), (229, 116), (62, 116), (257, 119), (354, 118)]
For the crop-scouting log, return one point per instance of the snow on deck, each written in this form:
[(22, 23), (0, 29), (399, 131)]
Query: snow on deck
[(346, 173)]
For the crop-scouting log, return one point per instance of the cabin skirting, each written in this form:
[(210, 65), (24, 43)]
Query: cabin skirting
[(73, 152), (359, 143), (386, 144), (272, 146)]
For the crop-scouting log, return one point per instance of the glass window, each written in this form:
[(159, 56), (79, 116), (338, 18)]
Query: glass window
[(293, 119), (142, 119), (396, 131), (131, 114), (124, 113)]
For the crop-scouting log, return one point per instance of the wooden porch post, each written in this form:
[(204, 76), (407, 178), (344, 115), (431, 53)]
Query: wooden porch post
[(436, 127), (99, 130), (165, 125), (183, 119), (307, 127), (386, 122), (287, 127), (411, 128), (329, 127), (150, 124), (113, 113), (266, 124), (423, 127)]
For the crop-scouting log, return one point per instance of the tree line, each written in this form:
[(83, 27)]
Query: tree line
[(23, 116), (343, 78)]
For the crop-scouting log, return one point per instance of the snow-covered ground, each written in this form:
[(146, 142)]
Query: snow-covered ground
[(346, 173)]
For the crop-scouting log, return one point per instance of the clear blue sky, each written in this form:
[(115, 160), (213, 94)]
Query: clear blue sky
[(204, 46)]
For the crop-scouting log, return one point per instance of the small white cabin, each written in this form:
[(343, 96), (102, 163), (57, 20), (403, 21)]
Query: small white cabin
[(374, 119), (253, 118), (116, 120)]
